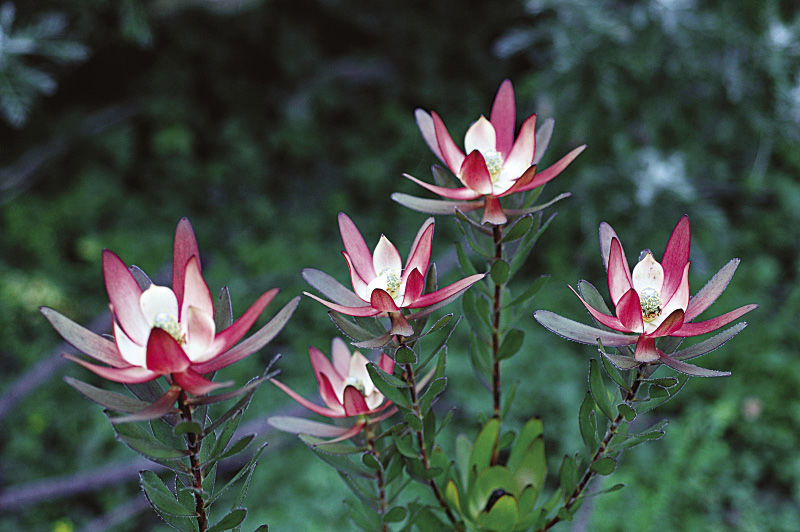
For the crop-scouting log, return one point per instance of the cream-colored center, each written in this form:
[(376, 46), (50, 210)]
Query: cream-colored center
[(169, 323), (390, 279), (494, 163), (651, 304), (356, 383)]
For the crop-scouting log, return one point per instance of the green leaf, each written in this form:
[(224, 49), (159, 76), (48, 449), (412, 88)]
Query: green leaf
[(350, 328), (499, 272), (664, 382), (238, 446), (502, 515), (362, 516), (160, 497), (657, 392), (706, 346), (533, 429), (477, 248), (143, 443), (233, 519), (529, 293), (187, 427), (484, 445), (413, 421), (612, 371), (395, 515), (599, 391), (405, 355), (111, 400), (389, 385), (431, 394), (321, 445), (444, 178), (471, 308), (511, 344), (626, 411), (406, 446), (526, 245), (463, 261), (509, 399), (587, 422), (223, 310), (518, 229), (603, 466), (568, 476), (369, 460), (531, 470)]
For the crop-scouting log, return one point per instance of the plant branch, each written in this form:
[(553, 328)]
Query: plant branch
[(193, 446), (409, 377), (368, 430), (497, 234), (611, 431)]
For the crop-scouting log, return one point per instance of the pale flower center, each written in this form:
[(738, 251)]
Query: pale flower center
[(389, 279), (169, 323), (494, 163), (356, 383), (651, 304)]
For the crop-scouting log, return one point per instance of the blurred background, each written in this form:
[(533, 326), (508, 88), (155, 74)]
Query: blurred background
[(260, 120)]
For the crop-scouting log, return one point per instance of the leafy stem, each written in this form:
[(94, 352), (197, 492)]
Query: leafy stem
[(426, 463), (611, 431), (371, 449), (193, 446), (497, 234)]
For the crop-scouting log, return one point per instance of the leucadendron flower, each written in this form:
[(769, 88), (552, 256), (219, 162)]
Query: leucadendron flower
[(347, 391), (166, 331), (652, 302), (493, 165), (381, 285)]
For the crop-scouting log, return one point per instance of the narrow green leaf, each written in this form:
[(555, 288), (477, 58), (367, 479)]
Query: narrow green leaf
[(444, 178), (432, 394), (612, 371), (463, 261), (369, 460), (529, 293), (318, 444), (484, 445), (349, 328), (626, 411), (526, 245), (405, 355), (604, 466), (406, 446), (532, 429), (223, 310), (362, 516), (187, 427), (568, 476), (598, 390), (111, 400), (518, 229), (144, 443), (388, 385), (395, 515), (160, 497), (511, 344), (499, 272), (233, 519), (509, 399), (587, 422)]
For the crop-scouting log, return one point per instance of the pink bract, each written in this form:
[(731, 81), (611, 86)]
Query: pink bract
[(164, 331), (493, 164), (381, 282)]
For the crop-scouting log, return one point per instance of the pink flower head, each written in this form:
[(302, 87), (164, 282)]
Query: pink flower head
[(653, 300), (163, 331), (346, 389), (383, 285), (495, 165)]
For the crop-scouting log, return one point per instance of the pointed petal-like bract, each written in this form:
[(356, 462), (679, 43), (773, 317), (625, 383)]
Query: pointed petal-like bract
[(415, 284), (493, 211), (426, 127), (356, 248), (475, 174), (480, 136), (340, 356), (130, 374), (354, 403), (196, 384), (676, 256), (386, 256), (328, 392), (164, 354), (554, 170), (446, 292), (298, 425), (123, 293), (712, 290), (386, 363), (420, 255), (611, 322), (607, 234), (323, 368), (629, 311), (199, 334), (671, 323), (327, 412), (464, 194), (184, 248), (364, 311), (382, 301), (226, 338), (543, 136), (521, 156), (451, 155), (503, 117), (689, 369), (619, 276), (702, 327), (646, 349), (196, 292)]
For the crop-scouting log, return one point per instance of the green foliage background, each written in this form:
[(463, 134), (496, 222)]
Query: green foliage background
[(260, 120)]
